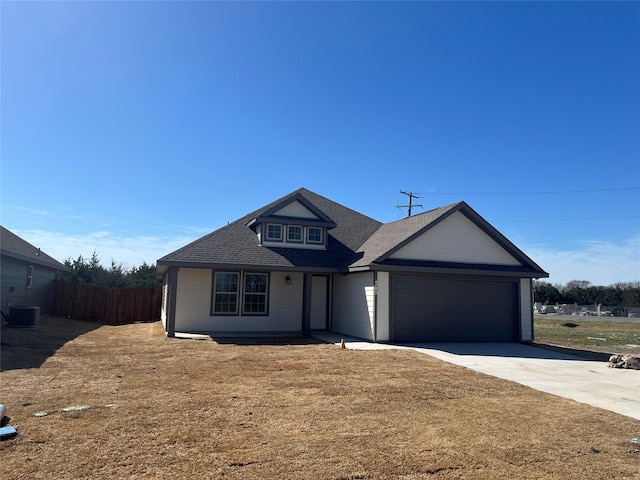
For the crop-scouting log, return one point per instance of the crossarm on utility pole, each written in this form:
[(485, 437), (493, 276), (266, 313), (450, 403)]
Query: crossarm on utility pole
[(411, 196)]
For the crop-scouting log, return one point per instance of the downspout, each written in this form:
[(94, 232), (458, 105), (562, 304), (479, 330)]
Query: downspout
[(531, 305), (330, 304)]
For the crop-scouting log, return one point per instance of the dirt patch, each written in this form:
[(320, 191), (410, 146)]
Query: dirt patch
[(31, 347), (184, 409)]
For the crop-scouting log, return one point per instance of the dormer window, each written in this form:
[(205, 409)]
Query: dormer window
[(294, 234), (274, 232), (314, 235), (292, 223)]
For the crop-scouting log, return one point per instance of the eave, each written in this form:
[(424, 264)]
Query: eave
[(35, 261), (312, 222), (437, 267), (163, 266)]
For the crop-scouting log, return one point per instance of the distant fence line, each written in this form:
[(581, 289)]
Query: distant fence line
[(587, 310), (110, 306)]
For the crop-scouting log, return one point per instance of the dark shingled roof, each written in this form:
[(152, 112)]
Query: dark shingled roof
[(356, 242), (236, 244), (13, 246)]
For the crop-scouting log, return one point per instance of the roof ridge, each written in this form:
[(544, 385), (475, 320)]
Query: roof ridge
[(443, 208), (341, 205)]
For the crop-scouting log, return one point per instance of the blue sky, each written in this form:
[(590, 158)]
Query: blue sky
[(132, 128)]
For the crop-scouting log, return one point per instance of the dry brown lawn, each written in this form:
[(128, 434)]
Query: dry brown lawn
[(282, 408), (589, 334)]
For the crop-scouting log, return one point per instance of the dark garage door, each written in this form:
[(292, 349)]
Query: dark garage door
[(444, 309)]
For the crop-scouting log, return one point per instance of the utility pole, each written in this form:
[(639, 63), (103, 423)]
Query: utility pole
[(411, 196)]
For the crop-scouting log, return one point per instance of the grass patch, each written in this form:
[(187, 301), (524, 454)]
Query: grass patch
[(601, 336), (185, 409)]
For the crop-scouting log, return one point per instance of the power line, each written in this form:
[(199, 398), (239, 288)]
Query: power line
[(566, 219), (557, 192)]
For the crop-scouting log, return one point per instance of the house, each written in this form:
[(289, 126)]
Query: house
[(306, 263), (26, 273)]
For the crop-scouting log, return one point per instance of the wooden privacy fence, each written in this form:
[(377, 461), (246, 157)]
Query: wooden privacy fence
[(111, 306)]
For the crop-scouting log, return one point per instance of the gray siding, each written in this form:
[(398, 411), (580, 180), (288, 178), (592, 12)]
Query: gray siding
[(13, 284)]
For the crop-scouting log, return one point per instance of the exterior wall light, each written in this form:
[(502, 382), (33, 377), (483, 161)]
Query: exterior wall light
[(288, 280)]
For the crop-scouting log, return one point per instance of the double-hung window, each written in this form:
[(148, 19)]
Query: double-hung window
[(255, 294), (225, 293), (236, 293)]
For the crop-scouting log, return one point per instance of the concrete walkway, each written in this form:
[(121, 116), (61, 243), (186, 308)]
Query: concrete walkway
[(568, 376)]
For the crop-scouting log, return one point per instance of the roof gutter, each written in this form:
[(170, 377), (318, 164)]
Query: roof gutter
[(56, 266), (164, 264), (449, 270)]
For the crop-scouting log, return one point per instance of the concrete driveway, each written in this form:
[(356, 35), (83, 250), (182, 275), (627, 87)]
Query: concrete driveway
[(568, 376)]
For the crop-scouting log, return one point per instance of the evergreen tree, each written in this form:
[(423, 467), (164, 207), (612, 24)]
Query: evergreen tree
[(546, 293), (117, 275)]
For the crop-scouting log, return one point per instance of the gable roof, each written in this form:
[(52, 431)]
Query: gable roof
[(394, 235), (356, 243), (236, 245), (391, 237), (272, 213), (13, 246)]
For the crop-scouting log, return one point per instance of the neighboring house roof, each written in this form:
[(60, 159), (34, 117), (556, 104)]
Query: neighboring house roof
[(355, 241), (13, 246)]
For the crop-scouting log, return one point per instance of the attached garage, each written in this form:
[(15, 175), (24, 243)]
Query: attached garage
[(445, 275), (429, 308)]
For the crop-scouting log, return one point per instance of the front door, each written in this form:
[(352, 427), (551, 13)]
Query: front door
[(319, 302)]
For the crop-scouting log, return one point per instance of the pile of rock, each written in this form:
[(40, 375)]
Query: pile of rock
[(624, 361)]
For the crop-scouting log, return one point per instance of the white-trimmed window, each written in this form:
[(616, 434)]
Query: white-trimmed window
[(294, 234), (225, 293), (229, 293), (255, 294), (274, 232), (314, 235)]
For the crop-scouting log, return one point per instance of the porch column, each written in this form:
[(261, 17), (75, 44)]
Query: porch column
[(171, 301)]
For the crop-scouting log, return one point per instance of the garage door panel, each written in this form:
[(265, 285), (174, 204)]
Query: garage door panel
[(440, 309)]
